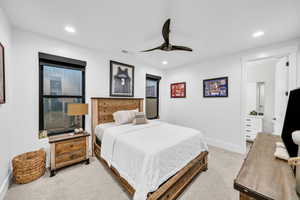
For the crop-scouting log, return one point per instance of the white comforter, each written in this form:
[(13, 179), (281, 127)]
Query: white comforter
[(147, 155)]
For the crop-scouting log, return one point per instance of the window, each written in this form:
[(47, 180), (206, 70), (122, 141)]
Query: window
[(151, 88), (62, 81), (152, 96)]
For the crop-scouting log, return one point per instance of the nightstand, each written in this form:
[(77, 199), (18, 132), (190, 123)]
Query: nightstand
[(68, 149)]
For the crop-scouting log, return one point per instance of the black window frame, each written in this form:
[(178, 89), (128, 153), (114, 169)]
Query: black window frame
[(59, 62), (155, 78)]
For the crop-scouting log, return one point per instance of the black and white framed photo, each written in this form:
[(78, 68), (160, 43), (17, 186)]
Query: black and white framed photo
[(2, 75), (121, 79)]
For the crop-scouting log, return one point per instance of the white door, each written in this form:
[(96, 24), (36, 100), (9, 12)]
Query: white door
[(281, 94)]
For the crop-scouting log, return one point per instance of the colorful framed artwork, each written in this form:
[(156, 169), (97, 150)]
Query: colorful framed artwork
[(2, 75), (121, 79), (178, 90), (217, 87)]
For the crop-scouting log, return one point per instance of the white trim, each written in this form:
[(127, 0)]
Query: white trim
[(290, 51), (4, 186), (276, 52), (227, 146)]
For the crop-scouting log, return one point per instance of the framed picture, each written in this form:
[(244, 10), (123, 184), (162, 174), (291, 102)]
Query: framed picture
[(121, 79), (178, 90), (217, 87), (2, 75)]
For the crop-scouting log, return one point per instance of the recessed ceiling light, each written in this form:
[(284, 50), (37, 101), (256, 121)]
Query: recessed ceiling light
[(70, 29), (258, 34), (164, 62)]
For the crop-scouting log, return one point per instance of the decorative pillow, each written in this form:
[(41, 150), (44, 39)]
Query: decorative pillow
[(140, 118), (124, 116)]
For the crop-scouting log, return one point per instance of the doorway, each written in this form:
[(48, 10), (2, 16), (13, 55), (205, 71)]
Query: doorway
[(152, 96), (284, 73), (267, 86)]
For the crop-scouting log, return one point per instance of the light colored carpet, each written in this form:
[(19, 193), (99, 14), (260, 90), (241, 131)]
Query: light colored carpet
[(93, 182)]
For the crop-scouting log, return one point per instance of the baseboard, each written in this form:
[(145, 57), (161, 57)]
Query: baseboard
[(226, 146), (4, 186)]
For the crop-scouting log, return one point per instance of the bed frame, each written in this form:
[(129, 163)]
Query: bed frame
[(102, 109)]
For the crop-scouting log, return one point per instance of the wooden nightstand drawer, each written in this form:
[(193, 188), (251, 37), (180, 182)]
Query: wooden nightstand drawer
[(75, 155), (70, 146)]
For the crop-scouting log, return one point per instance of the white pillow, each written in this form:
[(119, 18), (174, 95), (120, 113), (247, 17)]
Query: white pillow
[(124, 116)]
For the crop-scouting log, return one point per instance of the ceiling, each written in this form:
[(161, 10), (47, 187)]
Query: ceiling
[(211, 27)]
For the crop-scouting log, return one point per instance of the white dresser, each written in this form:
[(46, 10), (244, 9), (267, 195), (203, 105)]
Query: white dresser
[(253, 125)]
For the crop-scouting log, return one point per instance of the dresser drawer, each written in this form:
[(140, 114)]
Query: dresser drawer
[(250, 137), (249, 125), (254, 124), (73, 156), (250, 132), (254, 127), (69, 146), (248, 120)]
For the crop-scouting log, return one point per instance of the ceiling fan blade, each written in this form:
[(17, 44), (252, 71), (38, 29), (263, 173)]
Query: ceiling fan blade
[(166, 46), (181, 48), (156, 48), (166, 31)]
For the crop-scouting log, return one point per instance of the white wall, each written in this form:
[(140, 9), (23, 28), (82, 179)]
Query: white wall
[(25, 85), (218, 118), (5, 109), (264, 71)]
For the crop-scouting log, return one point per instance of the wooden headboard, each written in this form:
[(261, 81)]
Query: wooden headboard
[(103, 108)]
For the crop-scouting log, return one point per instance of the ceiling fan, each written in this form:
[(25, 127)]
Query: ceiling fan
[(167, 46)]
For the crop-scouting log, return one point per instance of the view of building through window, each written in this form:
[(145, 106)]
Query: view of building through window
[(152, 98), (60, 87), (151, 90)]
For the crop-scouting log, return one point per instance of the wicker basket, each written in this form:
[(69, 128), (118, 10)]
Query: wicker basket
[(29, 166)]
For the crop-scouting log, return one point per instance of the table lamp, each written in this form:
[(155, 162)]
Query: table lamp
[(77, 110)]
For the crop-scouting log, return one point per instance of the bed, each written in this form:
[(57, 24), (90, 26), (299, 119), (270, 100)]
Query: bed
[(147, 167)]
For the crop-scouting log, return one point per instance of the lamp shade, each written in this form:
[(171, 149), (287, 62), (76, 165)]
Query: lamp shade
[(77, 109)]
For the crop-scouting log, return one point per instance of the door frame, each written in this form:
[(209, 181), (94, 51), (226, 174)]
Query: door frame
[(288, 51), (278, 120), (156, 78)]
